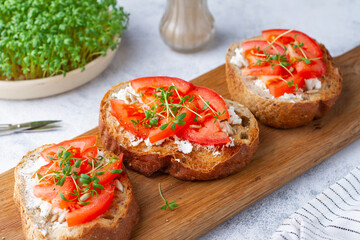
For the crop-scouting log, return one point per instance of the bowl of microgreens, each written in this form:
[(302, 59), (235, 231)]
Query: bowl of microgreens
[(51, 46)]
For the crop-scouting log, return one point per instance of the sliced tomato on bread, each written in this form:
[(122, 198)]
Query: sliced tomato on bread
[(261, 70), (50, 192), (185, 117), (79, 180), (255, 52), (207, 98), (108, 175), (79, 145), (208, 133), (175, 104), (261, 46), (98, 204), (278, 87), (161, 81), (287, 37), (314, 69), (283, 60), (205, 130), (47, 169), (304, 51), (129, 117)]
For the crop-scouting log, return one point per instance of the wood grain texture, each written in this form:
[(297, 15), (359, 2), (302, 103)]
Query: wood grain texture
[(204, 205)]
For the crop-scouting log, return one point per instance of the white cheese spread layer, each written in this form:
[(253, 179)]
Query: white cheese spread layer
[(260, 84), (291, 97), (288, 97), (313, 83), (183, 145), (230, 144), (149, 144), (33, 203), (238, 59), (128, 95), (234, 118), (134, 140)]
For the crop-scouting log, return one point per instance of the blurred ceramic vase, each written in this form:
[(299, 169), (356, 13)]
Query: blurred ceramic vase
[(187, 25)]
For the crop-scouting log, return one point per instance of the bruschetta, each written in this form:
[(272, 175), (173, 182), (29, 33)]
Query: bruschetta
[(73, 190), (166, 124), (284, 77)]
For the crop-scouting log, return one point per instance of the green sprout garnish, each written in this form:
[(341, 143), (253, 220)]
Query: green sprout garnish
[(86, 183), (171, 205)]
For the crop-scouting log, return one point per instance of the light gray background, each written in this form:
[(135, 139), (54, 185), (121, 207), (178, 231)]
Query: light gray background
[(142, 53)]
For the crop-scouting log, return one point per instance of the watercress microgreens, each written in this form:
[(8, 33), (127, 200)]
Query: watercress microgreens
[(41, 38)]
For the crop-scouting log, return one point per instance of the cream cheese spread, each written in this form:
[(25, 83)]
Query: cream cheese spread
[(234, 118), (313, 83), (238, 59), (128, 95), (33, 203), (183, 145)]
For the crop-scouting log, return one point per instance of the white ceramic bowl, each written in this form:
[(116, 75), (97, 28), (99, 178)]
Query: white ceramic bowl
[(44, 87)]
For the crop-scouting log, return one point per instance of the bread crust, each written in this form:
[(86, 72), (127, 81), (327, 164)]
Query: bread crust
[(116, 223), (283, 114), (163, 159)]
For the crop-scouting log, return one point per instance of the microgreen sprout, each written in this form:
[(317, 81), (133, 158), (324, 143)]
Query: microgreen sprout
[(45, 38), (290, 83), (171, 205), (207, 105)]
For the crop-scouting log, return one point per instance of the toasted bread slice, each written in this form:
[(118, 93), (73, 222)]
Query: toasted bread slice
[(282, 113), (41, 221), (202, 163)]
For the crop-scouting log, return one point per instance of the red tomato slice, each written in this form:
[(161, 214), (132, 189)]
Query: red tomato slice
[(310, 45), (261, 45), (155, 82), (127, 112), (216, 102), (50, 192), (91, 152), (47, 169), (109, 176), (279, 88), (81, 143), (88, 155), (158, 134), (294, 54), (262, 70), (267, 79), (96, 207), (149, 99), (251, 49), (315, 69), (148, 96), (209, 134)]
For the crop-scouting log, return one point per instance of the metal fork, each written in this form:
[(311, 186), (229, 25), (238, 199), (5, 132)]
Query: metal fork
[(37, 126)]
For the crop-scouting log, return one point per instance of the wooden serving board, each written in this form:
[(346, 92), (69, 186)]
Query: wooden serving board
[(282, 156)]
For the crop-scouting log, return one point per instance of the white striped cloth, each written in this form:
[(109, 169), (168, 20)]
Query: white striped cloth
[(333, 215)]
